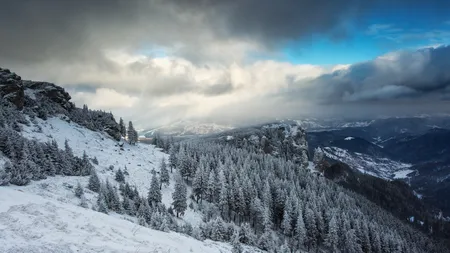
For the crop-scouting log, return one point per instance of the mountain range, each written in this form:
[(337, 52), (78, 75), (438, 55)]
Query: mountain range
[(71, 181)]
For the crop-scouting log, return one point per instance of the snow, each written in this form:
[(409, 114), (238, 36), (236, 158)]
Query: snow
[(418, 195), (230, 138), (379, 167), (139, 160), (45, 215), (402, 174), (31, 223), (349, 138), (30, 93)]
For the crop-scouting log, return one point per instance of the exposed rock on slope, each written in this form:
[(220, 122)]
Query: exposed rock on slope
[(42, 99), (50, 91), (11, 87)]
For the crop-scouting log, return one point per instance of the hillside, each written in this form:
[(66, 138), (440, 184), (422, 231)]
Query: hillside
[(32, 223), (40, 180), (64, 168)]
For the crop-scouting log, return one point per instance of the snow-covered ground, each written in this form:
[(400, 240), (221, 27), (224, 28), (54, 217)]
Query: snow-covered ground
[(139, 160), (379, 167), (44, 216), (32, 224)]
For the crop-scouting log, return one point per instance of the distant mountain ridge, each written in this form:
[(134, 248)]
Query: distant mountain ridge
[(186, 128)]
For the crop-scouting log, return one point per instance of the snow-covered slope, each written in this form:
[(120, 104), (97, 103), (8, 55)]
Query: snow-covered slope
[(47, 211), (375, 166), (139, 160), (32, 224)]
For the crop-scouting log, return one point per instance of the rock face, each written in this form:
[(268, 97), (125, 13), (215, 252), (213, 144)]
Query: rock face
[(11, 88), (52, 92), (44, 99)]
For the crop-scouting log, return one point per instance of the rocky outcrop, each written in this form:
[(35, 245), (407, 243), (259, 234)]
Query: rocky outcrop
[(43, 99), (52, 92), (11, 88)]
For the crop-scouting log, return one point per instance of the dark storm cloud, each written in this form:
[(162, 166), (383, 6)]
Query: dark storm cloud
[(71, 31), (421, 75)]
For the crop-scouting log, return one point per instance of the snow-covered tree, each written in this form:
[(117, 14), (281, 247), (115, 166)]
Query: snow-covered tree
[(101, 203), (94, 182), (179, 197), (132, 134), (122, 128), (235, 242), (332, 237), (164, 173), (154, 193), (119, 176), (79, 192)]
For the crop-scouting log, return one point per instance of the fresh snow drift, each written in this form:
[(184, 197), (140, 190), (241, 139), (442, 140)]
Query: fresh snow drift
[(32, 224)]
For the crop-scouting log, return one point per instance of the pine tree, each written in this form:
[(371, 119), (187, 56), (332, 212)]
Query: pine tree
[(101, 203), (179, 197), (119, 176), (86, 166), (351, 242), (235, 242), (122, 128), (286, 223), (94, 182), (311, 227), (5, 175), (164, 225), (79, 192), (300, 231), (173, 158), (165, 177), (68, 149), (199, 183), (332, 237), (131, 133), (154, 193)]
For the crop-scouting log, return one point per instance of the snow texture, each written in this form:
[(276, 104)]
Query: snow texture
[(45, 215), (32, 224)]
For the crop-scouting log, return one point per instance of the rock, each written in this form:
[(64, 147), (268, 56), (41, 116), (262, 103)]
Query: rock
[(11, 88), (51, 91)]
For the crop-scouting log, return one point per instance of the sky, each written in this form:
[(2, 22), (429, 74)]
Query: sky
[(235, 61)]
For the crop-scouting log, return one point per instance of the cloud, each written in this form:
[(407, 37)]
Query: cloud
[(106, 99), (419, 75), (156, 61)]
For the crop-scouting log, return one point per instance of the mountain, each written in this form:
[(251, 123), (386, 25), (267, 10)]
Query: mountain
[(49, 153), (185, 128), (413, 149), (70, 182)]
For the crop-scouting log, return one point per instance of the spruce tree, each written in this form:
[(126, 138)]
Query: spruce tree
[(235, 242), (79, 192), (131, 134), (119, 176), (94, 182), (179, 197), (101, 203), (122, 128), (300, 231), (165, 177), (154, 193), (332, 237)]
